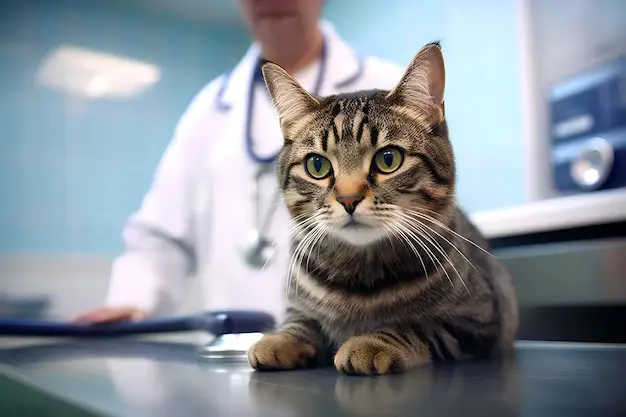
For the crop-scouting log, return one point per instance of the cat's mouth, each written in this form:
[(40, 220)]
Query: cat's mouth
[(353, 224), (357, 232)]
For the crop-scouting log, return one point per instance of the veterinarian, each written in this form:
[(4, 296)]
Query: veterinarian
[(214, 209)]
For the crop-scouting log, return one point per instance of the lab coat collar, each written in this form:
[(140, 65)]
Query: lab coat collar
[(344, 67)]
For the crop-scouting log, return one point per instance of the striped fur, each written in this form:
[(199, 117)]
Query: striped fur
[(405, 279)]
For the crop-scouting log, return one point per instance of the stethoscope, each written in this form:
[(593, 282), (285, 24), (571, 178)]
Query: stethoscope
[(258, 249)]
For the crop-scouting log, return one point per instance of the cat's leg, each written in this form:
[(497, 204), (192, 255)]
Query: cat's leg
[(297, 344), (382, 352)]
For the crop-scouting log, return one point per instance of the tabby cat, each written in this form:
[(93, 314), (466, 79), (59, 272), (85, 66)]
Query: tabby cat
[(387, 273)]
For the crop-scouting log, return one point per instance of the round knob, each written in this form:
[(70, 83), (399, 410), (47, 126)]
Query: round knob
[(593, 165)]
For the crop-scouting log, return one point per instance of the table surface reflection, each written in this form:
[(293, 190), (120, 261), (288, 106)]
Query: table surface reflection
[(126, 377)]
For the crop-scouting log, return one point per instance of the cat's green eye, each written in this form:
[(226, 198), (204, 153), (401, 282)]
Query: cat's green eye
[(388, 160), (318, 167)]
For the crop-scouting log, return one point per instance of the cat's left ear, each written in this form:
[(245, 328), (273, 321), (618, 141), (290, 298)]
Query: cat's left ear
[(422, 86), (291, 100)]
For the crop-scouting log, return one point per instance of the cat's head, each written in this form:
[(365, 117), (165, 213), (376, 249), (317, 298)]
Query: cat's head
[(361, 166)]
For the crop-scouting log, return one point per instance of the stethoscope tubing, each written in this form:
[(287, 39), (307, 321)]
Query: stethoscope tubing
[(217, 323), (250, 106)]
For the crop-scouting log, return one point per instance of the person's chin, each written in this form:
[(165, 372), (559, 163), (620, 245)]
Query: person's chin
[(277, 20)]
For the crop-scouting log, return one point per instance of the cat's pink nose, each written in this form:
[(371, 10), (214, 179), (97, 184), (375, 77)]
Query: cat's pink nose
[(350, 201), (350, 192)]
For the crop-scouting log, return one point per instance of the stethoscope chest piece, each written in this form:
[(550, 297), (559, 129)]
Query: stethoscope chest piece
[(258, 251), (229, 347)]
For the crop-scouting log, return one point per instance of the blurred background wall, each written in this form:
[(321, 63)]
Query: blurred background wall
[(73, 169)]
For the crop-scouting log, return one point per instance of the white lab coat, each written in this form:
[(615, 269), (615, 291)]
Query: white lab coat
[(194, 218)]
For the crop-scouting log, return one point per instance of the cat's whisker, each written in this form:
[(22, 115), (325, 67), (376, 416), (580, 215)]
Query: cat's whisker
[(297, 256), (427, 240), (420, 243), (308, 242), (409, 243), (442, 225), (435, 245), (305, 226), (294, 223), (423, 225), (301, 227), (320, 235), (294, 268), (323, 231), (402, 229), (309, 220), (290, 274), (423, 209), (407, 240), (446, 256), (393, 228), (444, 238), (292, 226), (388, 235), (294, 220)]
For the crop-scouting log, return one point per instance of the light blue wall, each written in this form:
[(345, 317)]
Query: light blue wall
[(483, 102), (72, 171)]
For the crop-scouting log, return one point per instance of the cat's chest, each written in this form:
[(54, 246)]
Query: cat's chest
[(340, 326), (341, 330)]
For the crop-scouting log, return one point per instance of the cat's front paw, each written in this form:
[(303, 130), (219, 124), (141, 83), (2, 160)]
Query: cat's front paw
[(280, 351), (370, 355)]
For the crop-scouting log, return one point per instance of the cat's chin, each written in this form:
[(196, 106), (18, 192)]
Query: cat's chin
[(359, 236)]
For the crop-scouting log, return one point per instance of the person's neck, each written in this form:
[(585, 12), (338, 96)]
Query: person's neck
[(294, 56)]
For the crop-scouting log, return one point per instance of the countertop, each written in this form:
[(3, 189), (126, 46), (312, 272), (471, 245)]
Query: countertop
[(127, 377), (553, 214)]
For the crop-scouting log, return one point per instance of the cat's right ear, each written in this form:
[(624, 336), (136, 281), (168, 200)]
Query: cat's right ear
[(292, 101), (421, 88)]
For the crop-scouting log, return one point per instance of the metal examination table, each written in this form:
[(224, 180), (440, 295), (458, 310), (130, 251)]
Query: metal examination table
[(135, 377)]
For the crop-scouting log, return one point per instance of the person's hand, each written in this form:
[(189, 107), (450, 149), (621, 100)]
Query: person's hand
[(111, 315)]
